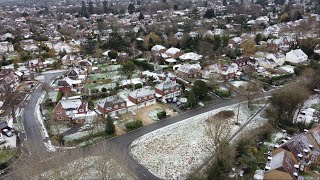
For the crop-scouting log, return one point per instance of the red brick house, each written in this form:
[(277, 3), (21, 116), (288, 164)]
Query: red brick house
[(64, 86), (36, 64), (67, 108), (112, 105), (168, 89), (189, 71), (143, 97)]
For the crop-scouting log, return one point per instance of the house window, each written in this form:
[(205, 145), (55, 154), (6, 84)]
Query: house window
[(60, 118), (59, 112), (123, 104), (115, 106), (81, 110)]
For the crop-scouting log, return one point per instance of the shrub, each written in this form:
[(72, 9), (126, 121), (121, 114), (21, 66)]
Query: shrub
[(138, 86), (222, 93), (113, 54), (59, 95), (104, 89), (291, 130), (161, 114), (144, 65), (133, 125), (94, 90)]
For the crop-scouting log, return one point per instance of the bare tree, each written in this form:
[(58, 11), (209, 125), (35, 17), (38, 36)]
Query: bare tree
[(219, 129), (250, 91), (12, 99)]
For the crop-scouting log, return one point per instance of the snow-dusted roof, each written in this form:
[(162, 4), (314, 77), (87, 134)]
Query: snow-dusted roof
[(157, 48), (71, 103), (189, 68), (168, 84), (110, 101), (297, 53), (171, 60), (191, 56), (172, 50), (142, 92)]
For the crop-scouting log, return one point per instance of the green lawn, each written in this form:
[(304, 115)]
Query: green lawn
[(6, 155)]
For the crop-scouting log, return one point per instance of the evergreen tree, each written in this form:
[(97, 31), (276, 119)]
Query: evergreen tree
[(192, 101), (131, 8), (90, 7), (225, 2), (175, 7), (110, 128), (141, 16), (105, 7), (83, 9), (209, 14)]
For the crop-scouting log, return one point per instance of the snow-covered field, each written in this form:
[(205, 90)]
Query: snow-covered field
[(96, 167), (174, 151)]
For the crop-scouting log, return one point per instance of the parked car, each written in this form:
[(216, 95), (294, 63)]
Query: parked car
[(7, 132), (174, 100), (2, 141), (86, 127)]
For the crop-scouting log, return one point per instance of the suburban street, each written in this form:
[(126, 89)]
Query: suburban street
[(120, 144)]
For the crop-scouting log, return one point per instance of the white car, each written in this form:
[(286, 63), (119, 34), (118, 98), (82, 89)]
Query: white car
[(86, 127)]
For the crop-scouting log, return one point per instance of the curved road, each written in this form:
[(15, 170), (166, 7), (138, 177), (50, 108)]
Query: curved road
[(120, 144)]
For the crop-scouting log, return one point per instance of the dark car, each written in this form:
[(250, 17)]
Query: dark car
[(2, 141), (7, 132)]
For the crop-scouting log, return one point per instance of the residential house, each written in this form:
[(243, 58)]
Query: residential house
[(66, 109), (112, 105), (317, 49), (223, 71), (158, 49), (172, 53), (189, 71), (29, 45), (281, 166), (296, 56), (77, 73), (66, 85), (191, 56), (168, 89), (6, 47), (277, 58), (36, 64), (7, 79), (143, 97), (70, 59), (294, 155), (283, 43)]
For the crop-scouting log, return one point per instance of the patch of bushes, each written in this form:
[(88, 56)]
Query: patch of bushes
[(223, 93), (144, 65), (161, 115), (59, 96), (133, 125)]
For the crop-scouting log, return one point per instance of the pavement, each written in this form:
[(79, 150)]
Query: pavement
[(122, 143)]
